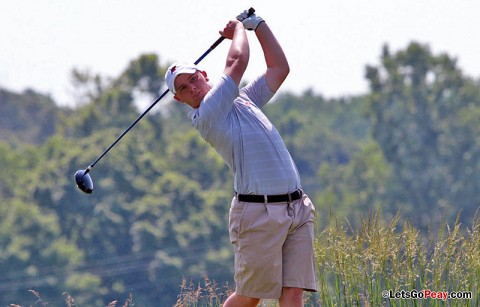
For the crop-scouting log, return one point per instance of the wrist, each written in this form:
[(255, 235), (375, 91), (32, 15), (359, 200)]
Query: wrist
[(239, 24), (258, 25)]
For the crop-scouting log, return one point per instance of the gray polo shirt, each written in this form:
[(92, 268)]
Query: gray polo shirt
[(233, 124)]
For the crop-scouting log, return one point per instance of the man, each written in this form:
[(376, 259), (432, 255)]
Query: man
[(271, 219)]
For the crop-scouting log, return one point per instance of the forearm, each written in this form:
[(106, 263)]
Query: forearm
[(275, 59), (238, 54)]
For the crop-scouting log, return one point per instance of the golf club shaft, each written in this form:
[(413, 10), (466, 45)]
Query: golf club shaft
[(213, 46), (128, 129), (217, 42)]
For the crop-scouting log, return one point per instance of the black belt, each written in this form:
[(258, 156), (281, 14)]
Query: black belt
[(280, 198)]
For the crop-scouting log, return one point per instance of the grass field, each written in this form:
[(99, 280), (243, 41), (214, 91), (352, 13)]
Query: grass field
[(379, 264)]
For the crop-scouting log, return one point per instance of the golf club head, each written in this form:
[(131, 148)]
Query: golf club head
[(84, 181)]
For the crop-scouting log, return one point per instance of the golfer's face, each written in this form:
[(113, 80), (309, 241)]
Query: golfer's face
[(191, 88)]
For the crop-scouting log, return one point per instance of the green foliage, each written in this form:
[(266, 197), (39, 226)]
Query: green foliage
[(368, 265), (317, 131), (144, 74), (355, 189), (159, 212), (30, 117), (418, 108), (34, 253), (357, 266)]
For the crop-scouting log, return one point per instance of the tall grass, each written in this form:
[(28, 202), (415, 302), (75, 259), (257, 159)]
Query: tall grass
[(356, 267), (206, 294)]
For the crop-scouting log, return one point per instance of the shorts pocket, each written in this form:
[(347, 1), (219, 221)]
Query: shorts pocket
[(311, 208), (235, 219)]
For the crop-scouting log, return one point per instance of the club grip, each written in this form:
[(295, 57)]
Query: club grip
[(251, 11)]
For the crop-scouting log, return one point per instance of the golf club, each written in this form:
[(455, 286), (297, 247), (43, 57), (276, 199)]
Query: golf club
[(83, 178)]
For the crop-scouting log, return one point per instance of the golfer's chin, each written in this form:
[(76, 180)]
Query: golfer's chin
[(197, 100), (194, 104)]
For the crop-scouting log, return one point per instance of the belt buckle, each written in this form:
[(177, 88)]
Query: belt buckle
[(265, 199), (289, 197)]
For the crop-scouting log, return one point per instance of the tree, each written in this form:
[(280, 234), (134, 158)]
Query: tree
[(29, 117), (421, 108), (357, 189), (317, 131)]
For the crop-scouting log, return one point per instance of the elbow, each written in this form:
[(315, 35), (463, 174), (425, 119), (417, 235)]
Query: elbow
[(243, 58), (276, 75), (239, 61), (282, 68), (236, 66), (285, 70)]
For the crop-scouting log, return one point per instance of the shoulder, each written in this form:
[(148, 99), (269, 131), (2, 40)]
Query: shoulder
[(258, 91), (218, 101), (225, 86)]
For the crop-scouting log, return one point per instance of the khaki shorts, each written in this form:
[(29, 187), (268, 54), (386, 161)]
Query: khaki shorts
[(273, 245)]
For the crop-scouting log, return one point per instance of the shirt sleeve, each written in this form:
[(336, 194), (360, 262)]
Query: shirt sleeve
[(257, 91)]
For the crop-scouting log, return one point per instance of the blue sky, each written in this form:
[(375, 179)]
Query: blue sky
[(328, 45)]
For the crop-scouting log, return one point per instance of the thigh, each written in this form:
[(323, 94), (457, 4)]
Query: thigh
[(298, 250), (257, 232)]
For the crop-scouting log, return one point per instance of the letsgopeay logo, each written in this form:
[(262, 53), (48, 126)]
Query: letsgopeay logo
[(426, 294)]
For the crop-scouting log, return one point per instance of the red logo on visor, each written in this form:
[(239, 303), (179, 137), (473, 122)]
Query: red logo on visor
[(173, 69)]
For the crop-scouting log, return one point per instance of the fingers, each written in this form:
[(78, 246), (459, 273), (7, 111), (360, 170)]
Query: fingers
[(229, 29), (242, 15), (250, 22)]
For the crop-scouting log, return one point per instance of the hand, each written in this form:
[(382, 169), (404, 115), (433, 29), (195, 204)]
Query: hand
[(229, 29), (250, 22)]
